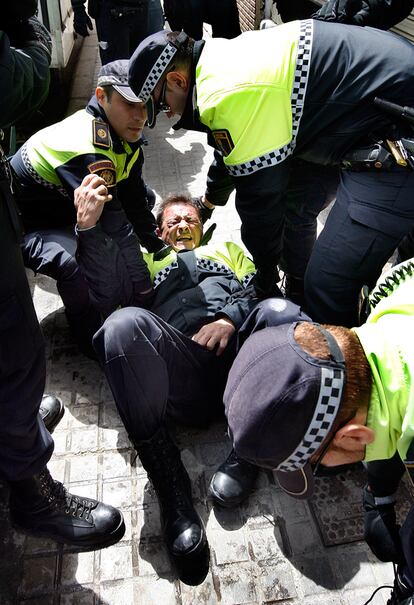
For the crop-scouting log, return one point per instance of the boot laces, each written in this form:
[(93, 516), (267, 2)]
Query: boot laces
[(59, 497), (170, 478)]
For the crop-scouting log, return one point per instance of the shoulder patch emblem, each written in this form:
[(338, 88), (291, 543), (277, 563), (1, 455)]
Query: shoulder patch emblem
[(101, 134), (106, 170), (223, 141)]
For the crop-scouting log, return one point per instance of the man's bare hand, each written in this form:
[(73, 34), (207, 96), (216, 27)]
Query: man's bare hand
[(218, 333), (89, 199)]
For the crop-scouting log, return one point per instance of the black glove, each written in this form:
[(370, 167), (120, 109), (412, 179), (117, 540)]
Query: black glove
[(340, 11), (81, 20), (381, 531), (30, 33), (205, 213)]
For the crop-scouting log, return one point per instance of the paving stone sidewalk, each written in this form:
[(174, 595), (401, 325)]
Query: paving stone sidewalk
[(269, 551)]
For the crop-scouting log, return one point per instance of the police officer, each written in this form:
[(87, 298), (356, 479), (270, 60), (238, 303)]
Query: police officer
[(338, 396), (301, 90), (120, 24), (103, 139), (312, 187), (38, 504)]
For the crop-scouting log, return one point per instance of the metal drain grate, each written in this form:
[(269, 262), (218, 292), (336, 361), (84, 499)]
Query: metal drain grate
[(337, 506)]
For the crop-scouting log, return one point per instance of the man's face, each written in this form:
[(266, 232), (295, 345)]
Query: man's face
[(125, 117), (181, 227)]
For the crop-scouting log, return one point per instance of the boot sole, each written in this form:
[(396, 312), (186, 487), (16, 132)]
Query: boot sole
[(112, 539)]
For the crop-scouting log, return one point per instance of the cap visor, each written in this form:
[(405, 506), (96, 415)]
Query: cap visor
[(298, 484), (127, 93)]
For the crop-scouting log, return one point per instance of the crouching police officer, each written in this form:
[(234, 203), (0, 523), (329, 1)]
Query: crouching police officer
[(104, 139), (300, 91), (330, 395), (38, 504)]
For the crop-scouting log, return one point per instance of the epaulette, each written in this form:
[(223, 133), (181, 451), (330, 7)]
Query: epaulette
[(101, 135)]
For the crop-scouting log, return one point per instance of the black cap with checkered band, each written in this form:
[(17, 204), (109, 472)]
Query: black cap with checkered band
[(281, 403), (149, 63)]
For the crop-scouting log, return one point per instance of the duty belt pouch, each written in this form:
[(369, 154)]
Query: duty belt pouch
[(373, 157)]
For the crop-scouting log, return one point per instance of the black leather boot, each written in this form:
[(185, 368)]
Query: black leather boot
[(41, 506), (183, 529), (381, 531), (83, 327), (233, 481), (51, 410), (294, 289)]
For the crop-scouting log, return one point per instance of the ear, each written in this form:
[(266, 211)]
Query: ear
[(352, 435), (100, 95), (158, 232), (178, 79)]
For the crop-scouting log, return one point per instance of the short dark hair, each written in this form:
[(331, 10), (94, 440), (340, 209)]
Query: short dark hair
[(358, 382), (183, 59), (108, 90), (170, 201)]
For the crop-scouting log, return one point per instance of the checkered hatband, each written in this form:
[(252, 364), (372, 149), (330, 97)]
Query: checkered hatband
[(157, 72), (297, 99), (332, 383), (120, 80)]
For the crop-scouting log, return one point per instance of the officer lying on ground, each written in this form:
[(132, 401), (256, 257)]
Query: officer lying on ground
[(170, 362), (303, 90), (330, 395), (105, 139), (38, 504)]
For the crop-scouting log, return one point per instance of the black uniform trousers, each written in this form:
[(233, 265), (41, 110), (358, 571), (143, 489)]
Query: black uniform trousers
[(25, 444), (222, 15), (311, 189), (372, 213), (157, 373), (52, 252), (120, 28)]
